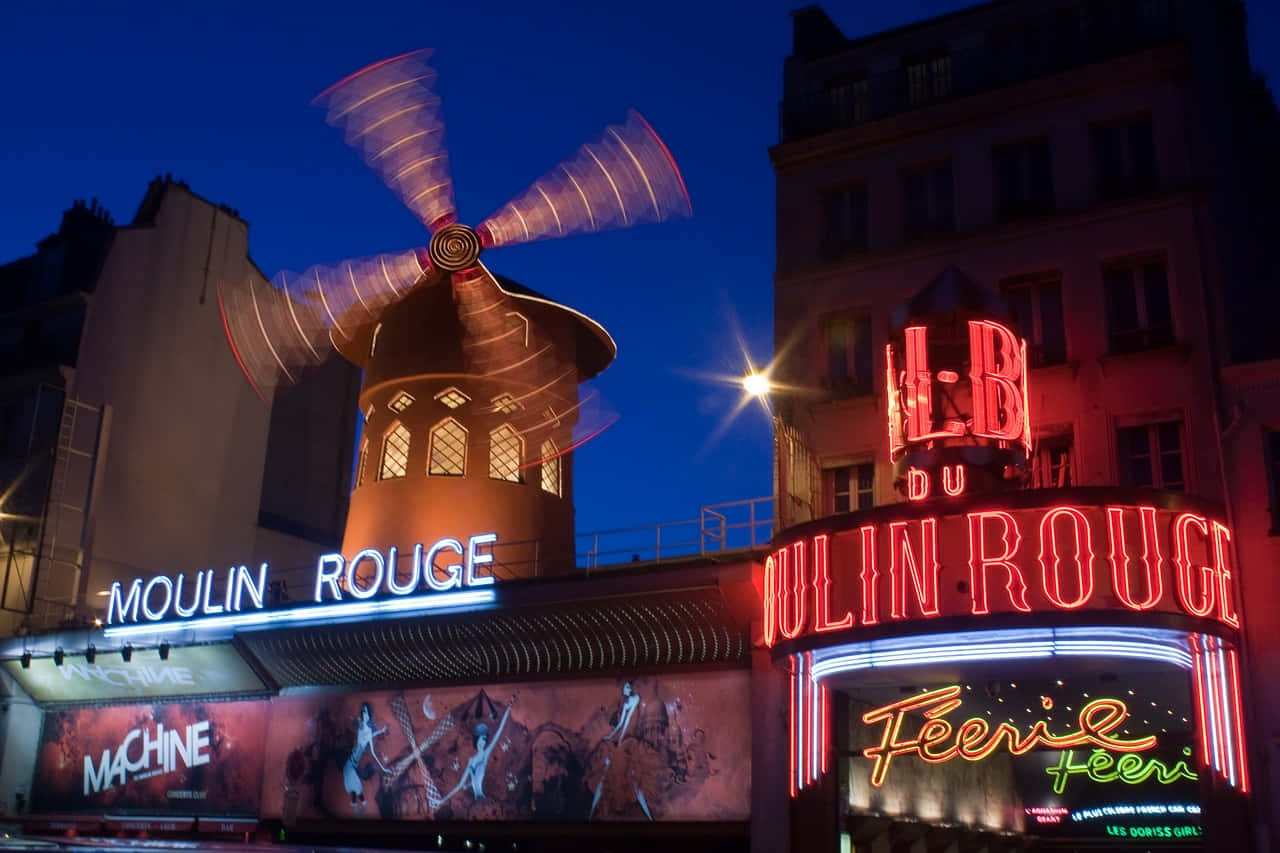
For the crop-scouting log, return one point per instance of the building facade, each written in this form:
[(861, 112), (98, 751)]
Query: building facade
[(1087, 175), (132, 444)]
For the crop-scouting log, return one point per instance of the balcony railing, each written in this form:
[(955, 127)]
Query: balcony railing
[(719, 530), (1036, 48)]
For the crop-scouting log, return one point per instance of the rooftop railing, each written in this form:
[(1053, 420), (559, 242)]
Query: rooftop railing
[(719, 530)]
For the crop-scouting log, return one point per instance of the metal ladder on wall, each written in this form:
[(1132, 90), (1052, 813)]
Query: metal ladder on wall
[(62, 538)]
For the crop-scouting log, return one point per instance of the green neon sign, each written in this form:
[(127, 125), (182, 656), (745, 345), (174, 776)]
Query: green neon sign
[(1132, 769)]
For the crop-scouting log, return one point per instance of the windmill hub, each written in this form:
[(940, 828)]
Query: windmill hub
[(454, 247)]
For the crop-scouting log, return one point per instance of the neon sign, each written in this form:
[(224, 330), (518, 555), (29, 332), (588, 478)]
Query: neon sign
[(938, 741), (367, 585), (1020, 560), (925, 407), (1103, 767)]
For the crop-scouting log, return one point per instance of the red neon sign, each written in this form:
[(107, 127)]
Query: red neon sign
[(1048, 559), (938, 741), (997, 388)]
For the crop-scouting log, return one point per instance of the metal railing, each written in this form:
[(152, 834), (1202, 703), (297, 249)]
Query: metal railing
[(719, 529)]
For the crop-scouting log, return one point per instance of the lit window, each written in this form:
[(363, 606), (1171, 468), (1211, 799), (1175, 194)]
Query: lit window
[(550, 418), (448, 456), (452, 397), (853, 487), (395, 453), (400, 402), (550, 468), (364, 457), (1036, 302), (506, 404), (1051, 463), (1138, 314), (506, 447), (1151, 456)]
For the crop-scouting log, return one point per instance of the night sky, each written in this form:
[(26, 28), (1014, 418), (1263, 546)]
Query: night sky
[(101, 97)]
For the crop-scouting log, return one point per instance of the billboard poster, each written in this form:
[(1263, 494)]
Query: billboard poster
[(649, 748), (185, 758), (190, 670)]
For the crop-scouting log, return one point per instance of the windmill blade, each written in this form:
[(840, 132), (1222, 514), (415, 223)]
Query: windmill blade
[(533, 379), (626, 177), (389, 113), (278, 329)]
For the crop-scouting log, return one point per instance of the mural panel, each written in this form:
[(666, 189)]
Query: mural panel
[(657, 747), (187, 758)]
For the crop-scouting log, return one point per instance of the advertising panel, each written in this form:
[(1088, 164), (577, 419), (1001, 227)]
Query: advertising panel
[(188, 758), (189, 671), (661, 747)]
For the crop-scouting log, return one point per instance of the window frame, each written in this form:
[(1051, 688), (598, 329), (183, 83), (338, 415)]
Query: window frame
[(394, 429), (1144, 336), (435, 430), (851, 384), (1128, 181), (1035, 283), (1042, 462), (855, 491), (516, 474), (550, 463), (935, 223), (848, 241), (1155, 452), (1027, 202)]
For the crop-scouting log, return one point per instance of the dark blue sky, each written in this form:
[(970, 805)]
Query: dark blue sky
[(100, 97)]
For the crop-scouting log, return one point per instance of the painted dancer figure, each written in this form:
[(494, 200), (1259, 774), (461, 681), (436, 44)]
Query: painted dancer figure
[(626, 759), (476, 765), (353, 775)]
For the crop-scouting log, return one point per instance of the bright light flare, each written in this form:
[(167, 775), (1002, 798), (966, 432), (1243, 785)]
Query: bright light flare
[(757, 384)]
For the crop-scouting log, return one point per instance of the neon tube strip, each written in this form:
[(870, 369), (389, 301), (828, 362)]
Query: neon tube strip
[(308, 615), (1212, 666)]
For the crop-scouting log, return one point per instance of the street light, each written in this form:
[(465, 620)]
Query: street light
[(756, 384)]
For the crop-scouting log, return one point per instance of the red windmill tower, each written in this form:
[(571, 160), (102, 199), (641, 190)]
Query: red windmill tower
[(471, 382)]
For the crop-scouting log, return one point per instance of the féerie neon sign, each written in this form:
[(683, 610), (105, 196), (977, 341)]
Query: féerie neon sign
[(938, 741), (1059, 557), (1102, 767), (370, 584)]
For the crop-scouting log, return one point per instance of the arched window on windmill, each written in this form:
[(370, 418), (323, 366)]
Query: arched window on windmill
[(550, 467), (395, 453), (448, 449), (506, 449)]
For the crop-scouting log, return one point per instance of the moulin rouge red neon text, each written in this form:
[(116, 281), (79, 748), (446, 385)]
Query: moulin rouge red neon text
[(1057, 558)]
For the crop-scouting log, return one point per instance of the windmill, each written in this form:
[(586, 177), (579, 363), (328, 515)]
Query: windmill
[(459, 364)]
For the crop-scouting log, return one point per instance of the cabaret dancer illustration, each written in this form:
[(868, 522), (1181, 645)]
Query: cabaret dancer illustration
[(353, 775), (476, 765), (626, 757)]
